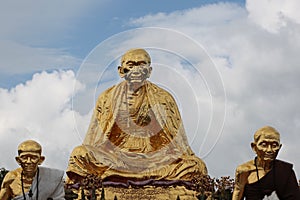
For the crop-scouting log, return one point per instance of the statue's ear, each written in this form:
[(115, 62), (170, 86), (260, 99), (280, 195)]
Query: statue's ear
[(42, 158), (18, 160), (253, 146), (121, 71), (149, 73)]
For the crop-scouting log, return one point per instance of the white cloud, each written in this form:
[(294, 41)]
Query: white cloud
[(32, 33), (259, 69), (196, 19), (41, 109), (273, 14)]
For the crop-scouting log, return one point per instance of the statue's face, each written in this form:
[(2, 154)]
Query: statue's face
[(135, 68), (29, 156), (29, 161), (268, 146)]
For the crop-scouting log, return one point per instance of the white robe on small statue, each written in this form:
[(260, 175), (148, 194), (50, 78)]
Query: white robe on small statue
[(49, 184)]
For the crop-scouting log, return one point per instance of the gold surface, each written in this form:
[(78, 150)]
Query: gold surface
[(29, 158), (136, 131), (266, 145), (144, 193)]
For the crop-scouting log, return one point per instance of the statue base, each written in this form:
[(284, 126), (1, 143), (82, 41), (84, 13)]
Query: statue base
[(150, 192), (141, 193)]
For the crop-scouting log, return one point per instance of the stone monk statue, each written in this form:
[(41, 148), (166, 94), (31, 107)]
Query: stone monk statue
[(30, 181), (265, 177), (136, 131)]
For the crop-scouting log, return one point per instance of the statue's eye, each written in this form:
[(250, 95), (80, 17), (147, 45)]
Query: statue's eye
[(130, 64), (275, 145), (263, 144), (125, 70), (24, 157), (142, 63)]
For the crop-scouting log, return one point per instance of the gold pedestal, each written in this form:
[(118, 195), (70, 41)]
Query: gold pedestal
[(150, 192), (143, 193)]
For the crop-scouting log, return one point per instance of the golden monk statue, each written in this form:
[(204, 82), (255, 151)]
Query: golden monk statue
[(265, 177), (136, 132), (30, 181)]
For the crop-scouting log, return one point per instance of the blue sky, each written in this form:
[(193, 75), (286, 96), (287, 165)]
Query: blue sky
[(112, 18), (41, 25), (237, 64)]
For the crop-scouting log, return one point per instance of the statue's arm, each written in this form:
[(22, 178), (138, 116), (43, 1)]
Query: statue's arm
[(241, 176), (94, 123), (5, 192), (292, 190)]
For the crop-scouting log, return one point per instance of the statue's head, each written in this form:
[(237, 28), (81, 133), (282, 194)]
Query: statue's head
[(266, 143), (135, 66), (29, 156)]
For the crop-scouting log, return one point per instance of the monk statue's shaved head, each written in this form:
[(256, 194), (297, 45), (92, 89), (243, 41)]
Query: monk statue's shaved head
[(132, 54), (266, 130), (29, 146)]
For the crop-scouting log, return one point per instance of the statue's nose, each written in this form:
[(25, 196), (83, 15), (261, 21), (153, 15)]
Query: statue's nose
[(136, 70)]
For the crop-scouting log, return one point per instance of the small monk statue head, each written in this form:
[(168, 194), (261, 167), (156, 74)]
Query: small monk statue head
[(266, 143), (29, 156), (135, 66)]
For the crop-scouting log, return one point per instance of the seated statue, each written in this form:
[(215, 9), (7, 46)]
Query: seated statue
[(30, 181), (136, 132), (265, 177)]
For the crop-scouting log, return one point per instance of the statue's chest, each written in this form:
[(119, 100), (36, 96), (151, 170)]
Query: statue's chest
[(132, 103)]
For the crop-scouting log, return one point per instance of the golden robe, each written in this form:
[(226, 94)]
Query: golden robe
[(136, 135)]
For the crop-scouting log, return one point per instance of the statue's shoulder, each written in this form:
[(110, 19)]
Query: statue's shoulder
[(11, 176), (51, 172), (109, 90), (283, 165), (106, 95), (152, 87), (246, 167), (14, 173)]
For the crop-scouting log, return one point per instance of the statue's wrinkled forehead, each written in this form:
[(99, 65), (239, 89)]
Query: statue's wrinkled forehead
[(136, 55), (29, 146), (267, 132), (270, 135)]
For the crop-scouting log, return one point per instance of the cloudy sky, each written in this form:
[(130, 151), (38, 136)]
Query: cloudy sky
[(232, 67)]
